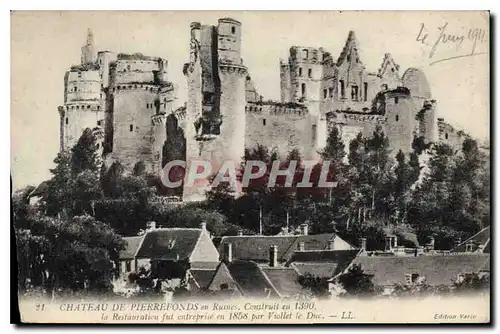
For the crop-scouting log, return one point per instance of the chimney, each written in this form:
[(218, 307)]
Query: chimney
[(228, 252), (430, 244), (304, 229), (203, 226), (458, 241), (273, 256), (362, 244), (331, 244), (388, 244), (151, 225), (301, 246)]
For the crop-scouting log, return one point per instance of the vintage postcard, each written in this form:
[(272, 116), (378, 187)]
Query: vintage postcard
[(251, 167)]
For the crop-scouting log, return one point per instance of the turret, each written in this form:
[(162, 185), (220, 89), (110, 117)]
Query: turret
[(229, 42), (88, 49)]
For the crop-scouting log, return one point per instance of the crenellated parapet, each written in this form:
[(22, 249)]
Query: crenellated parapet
[(447, 134), (180, 113), (159, 119), (228, 68), (346, 117), (150, 87), (83, 106), (276, 109)]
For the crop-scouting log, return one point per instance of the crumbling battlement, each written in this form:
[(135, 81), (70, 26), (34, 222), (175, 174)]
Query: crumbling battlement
[(347, 117), (449, 135), (276, 108)]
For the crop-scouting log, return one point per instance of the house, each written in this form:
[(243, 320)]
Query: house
[(322, 263), (433, 269), (170, 252), (256, 247), (251, 279), (478, 243)]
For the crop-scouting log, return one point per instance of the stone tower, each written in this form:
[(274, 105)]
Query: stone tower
[(232, 74), (215, 111), (82, 98), (139, 102), (88, 49)]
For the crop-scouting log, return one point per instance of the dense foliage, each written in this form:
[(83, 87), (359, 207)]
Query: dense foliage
[(377, 192)]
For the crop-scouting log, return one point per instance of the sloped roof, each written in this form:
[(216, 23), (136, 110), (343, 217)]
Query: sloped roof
[(40, 190), (319, 269), (204, 265), (437, 269), (284, 280), (169, 243), (324, 263), (203, 277), (478, 239), (256, 248), (132, 244), (250, 278)]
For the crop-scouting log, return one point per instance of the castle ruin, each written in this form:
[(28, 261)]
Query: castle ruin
[(127, 100)]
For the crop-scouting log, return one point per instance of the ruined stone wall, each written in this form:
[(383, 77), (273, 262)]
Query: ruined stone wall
[(232, 109), (104, 59), (134, 71), (401, 121), (427, 117), (251, 93), (154, 161), (306, 73), (279, 127), (133, 131), (285, 82), (449, 135)]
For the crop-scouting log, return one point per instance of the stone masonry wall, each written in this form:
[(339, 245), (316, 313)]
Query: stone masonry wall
[(278, 127), (133, 132)]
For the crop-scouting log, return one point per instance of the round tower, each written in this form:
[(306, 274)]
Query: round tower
[(229, 42), (82, 106), (232, 76)]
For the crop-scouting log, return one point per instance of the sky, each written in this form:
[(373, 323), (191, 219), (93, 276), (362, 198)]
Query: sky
[(45, 44)]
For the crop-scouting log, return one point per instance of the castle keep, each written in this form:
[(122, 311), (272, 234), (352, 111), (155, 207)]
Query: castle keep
[(127, 100)]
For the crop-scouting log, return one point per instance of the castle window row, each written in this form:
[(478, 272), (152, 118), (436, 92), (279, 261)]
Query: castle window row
[(83, 107), (354, 91), (309, 72), (151, 89)]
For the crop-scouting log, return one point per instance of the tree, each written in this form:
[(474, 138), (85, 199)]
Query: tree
[(472, 282), (356, 283), (59, 195), (317, 286), (70, 255), (85, 154), (335, 149)]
